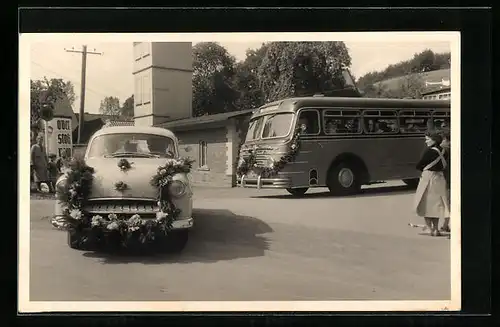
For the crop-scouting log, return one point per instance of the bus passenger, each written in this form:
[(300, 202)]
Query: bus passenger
[(331, 127), (431, 198)]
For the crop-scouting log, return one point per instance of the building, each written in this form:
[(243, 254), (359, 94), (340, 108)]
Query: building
[(93, 122), (439, 93), (213, 141)]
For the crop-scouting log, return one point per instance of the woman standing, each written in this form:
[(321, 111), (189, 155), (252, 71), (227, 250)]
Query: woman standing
[(431, 200), (39, 164), (445, 145)]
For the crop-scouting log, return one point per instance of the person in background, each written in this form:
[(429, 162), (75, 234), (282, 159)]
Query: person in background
[(431, 198), (53, 171), (39, 164), (445, 145), (62, 162)]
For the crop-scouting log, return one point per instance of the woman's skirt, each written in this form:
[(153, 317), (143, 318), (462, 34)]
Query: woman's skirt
[(431, 198)]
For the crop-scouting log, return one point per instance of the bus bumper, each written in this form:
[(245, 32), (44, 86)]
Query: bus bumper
[(259, 182)]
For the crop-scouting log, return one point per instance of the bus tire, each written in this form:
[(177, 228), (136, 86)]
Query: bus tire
[(297, 191), (411, 182), (343, 179)]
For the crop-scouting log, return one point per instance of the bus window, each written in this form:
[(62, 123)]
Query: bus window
[(441, 119), (380, 122), (341, 122), (310, 119), (254, 128), (277, 125), (412, 121)]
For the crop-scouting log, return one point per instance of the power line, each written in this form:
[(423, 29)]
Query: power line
[(67, 77)]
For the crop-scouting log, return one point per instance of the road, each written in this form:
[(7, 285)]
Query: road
[(259, 245)]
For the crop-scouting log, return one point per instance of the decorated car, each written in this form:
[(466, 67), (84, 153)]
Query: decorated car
[(130, 188)]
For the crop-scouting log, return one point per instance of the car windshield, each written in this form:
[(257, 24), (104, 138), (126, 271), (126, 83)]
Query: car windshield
[(132, 145), (272, 125)]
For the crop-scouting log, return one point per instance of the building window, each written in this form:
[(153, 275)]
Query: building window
[(202, 153)]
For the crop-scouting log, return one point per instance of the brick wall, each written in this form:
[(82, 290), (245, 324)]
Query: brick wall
[(215, 174)]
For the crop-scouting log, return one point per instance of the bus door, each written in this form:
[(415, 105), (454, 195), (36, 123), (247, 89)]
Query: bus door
[(309, 153)]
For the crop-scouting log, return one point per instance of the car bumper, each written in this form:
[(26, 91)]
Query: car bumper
[(181, 224), (266, 183)]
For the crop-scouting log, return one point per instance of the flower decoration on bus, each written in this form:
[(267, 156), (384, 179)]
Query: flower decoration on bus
[(249, 161), (124, 164)]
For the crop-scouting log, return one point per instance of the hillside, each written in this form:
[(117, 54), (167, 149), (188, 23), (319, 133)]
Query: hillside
[(432, 76)]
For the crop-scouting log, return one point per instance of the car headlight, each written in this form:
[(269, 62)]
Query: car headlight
[(177, 188)]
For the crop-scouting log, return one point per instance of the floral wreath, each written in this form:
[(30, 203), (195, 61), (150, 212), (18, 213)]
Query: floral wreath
[(248, 163), (97, 228)]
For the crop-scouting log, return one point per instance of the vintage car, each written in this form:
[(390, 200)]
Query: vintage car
[(146, 148)]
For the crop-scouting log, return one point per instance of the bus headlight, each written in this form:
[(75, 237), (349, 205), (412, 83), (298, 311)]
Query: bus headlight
[(177, 188), (270, 162)]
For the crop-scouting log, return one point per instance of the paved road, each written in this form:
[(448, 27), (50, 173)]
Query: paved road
[(251, 245)]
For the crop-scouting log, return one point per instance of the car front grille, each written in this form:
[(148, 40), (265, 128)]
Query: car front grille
[(123, 208)]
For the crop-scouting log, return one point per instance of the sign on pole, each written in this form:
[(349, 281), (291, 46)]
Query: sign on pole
[(59, 136)]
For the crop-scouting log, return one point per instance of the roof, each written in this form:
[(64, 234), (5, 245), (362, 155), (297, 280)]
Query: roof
[(136, 130), (360, 102), (204, 119), (89, 117), (111, 123)]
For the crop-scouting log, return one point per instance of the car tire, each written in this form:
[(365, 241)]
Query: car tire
[(343, 179), (299, 191), (74, 238), (175, 241)]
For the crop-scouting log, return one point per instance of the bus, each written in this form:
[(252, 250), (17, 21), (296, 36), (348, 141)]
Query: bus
[(336, 142)]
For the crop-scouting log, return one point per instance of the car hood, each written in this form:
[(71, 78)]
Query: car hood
[(138, 177)]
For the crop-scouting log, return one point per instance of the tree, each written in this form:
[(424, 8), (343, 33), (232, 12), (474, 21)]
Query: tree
[(110, 106), (127, 109), (302, 68), (246, 79), (213, 72), (47, 91)]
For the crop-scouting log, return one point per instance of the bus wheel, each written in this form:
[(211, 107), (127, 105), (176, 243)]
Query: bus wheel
[(343, 180), (411, 182), (297, 191)]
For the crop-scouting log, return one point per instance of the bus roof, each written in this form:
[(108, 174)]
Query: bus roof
[(291, 104)]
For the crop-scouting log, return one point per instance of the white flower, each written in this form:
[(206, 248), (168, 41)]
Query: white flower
[(133, 228), (158, 203), (72, 192), (160, 215), (113, 226), (76, 214), (112, 216), (134, 220), (96, 221), (163, 172)]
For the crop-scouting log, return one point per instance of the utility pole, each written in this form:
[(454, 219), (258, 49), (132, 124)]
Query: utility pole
[(84, 53)]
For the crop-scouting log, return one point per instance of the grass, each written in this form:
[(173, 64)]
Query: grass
[(433, 76)]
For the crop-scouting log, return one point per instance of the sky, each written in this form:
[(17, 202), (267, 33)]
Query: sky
[(110, 74)]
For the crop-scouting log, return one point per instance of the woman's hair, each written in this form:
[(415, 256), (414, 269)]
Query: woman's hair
[(435, 137), (446, 135)]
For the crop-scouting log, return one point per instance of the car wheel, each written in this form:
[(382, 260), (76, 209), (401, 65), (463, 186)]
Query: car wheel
[(343, 179), (297, 191), (175, 241)]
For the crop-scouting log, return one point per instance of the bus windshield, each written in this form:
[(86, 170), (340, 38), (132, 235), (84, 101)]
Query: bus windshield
[(269, 126)]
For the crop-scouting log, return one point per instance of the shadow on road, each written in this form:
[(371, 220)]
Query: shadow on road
[(217, 235), (374, 191)]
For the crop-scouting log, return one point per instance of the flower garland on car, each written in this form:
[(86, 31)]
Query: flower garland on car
[(129, 231), (248, 163)]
